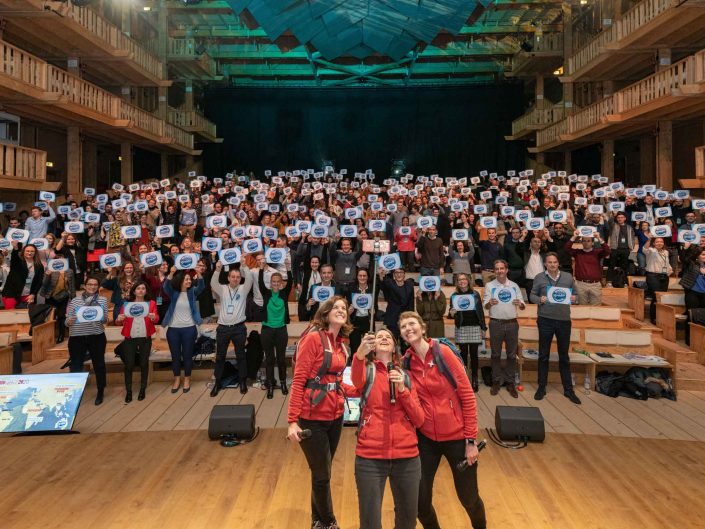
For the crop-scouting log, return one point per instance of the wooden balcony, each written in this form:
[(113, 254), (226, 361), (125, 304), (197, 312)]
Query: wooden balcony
[(545, 56), (536, 119), (187, 61), (36, 89), (24, 168), (50, 28), (550, 137), (699, 181), (626, 49), (195, 122)]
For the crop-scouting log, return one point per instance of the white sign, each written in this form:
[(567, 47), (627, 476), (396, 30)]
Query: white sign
[(348, 230), (488, 222), (390, 261), (587, 231), (424, 222), (165, 231), (535, 224), (321, 294), (110, 260), (663, 212), (17, 235), (89, 314), (557, 216), (40, 243), (377, 225), (688, 236), (131, 232), (186, 261), (47, 196), (559, 295), (252, 245), (136, 309), (211, 244), (216, 221), (151, 259), (230, 256), (58, 265), (275, 255), (460, 235), (504, 294), (463, 302), (74, 227), (429, 283), (662, 230), (362, 301)]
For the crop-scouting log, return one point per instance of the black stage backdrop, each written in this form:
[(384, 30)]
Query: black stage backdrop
[(456, 131)]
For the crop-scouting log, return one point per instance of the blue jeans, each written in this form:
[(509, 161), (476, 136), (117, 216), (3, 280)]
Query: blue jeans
[(548, 328), (424, 271), (181, 344)]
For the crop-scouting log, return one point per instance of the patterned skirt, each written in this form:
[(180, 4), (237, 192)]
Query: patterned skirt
[(471, 334)]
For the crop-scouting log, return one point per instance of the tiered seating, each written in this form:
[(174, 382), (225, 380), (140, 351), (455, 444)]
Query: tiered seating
[(636, 297), (16, 323), (670, 310), (5, 353)]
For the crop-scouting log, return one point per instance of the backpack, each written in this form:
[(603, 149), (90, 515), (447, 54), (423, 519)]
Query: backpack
[(230, 375), (204, 346), (318, 389), (254, 354), (370, 374), (438, 359), (619, 278)]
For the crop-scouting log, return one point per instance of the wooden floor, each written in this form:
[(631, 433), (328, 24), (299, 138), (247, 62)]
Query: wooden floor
[(598, 415), (182, 480)]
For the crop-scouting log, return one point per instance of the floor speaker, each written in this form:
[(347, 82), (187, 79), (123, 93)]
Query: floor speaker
[(232, 421), (515, 423)]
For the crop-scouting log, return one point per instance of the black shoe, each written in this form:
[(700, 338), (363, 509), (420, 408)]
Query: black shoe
[(186, 390), (215, 390), (128, 397), (99, 398), (475, 384), (285, 390), (270, 391), (141, 394), (540, 393), (60, 338), (243, 388), (572, 397)]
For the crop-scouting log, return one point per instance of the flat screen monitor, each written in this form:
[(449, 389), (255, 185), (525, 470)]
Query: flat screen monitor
[(40, 403), (351, 414)]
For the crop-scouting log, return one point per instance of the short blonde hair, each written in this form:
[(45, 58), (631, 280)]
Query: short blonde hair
[(413, 315)]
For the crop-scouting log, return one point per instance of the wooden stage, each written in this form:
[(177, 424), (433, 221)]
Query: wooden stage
[(180, 479)]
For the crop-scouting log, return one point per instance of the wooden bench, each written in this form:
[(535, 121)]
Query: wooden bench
[(670, 310), (16, 322), (582, 316), (697, 341), (5, 353), (579, 363)]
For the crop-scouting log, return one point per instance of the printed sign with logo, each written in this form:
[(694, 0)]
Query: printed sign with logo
[(698, 204), (615, 206), (377, 225), (110, 260), (488, 222), (230, 256), (425, 222), (390, 261), (4, 244), (270, 232), (253, 231), (89, 314), (149, 259), (92, 218), (362, 301), (238, 232), (252, 245), (500, 200), (47, 196), (480, 209), (681, 194), (323, 220), (131, 232), (587, 231), (348, 230), (9, 206), (292, 231), (504, 294), (559, 295), (596, 209), (164, 231), (58, 265), (74, 227), (211, 244), (136, 309), (523, 215), (17, 235), (460, 235), (463, 302), (557, 216), (661, 195), (40, 243), (63, 210), (353, 213), (661, 230), (321, 293), (119, 203), (304, 226), (639, 192), (507, 211), (429, 283), (89, 191), (638, 216), (664, 211), (457, 206), (688, 236), (141, 205), (216, 221), (185, 261), (102, 198), (535, 224), (319, 231), (275, 255), (700, 230)]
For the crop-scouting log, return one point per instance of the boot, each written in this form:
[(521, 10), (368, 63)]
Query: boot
[(141, 394), (99, 397), (60, 332), (216, 389), (128, 396), (475, 384), (270, 391), (285, 390)]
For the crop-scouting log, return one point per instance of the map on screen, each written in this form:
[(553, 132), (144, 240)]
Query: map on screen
[(40, 403), (352, 404)]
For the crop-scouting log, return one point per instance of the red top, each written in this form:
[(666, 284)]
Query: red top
[(309, 359), (149, 324), (388, 430), (405, 243), (588, 265), (449, 414)]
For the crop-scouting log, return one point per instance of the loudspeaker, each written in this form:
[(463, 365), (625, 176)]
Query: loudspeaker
[(515, 423), (236, 421)]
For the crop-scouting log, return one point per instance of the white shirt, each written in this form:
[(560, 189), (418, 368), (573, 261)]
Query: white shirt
[(182, 313), (138, 328), (535, 265), (657, 262), (233, 301), (256, 294), (502, 311)]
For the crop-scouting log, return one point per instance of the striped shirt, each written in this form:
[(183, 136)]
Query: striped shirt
[(88, 328)]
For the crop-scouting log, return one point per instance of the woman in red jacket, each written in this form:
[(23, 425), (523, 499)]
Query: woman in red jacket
[(137, 328), (387, 446), (450, 426), (317, 399)]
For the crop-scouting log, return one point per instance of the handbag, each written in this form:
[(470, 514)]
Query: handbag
[(60, 297)]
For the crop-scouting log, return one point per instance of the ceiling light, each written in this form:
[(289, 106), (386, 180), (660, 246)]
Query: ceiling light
[(146, 8), (50, 164), (558, 71)]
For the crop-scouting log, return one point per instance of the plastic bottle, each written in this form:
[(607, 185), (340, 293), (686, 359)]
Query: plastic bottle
[(572, 379), (586, 384)]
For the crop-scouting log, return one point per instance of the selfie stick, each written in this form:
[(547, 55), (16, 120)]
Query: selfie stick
[(375, 256)]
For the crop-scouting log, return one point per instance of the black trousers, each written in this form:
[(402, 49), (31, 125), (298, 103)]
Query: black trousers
[(469, 351), (693, 300), (237, 334), (371, 477), (319, 450), (619, 258), (655, 283), (548, 328), (59, 314), (361, 326), (274, 342), (93, 344), (430, 453), (131, 347)]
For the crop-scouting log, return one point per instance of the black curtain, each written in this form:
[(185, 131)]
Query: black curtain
[(454, 131)]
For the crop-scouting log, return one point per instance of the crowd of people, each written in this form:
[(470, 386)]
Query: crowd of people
[(235, 250)]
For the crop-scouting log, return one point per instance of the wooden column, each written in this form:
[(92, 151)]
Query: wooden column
[(568, 162), (90, 164), (608, 159), (647, 160), (163, 34), (126, 163), (74, 171), (539, 91), (126, 18), (164, 165), (163, 103), (568, 97), (664, 155), (188, 95), (664, 59)]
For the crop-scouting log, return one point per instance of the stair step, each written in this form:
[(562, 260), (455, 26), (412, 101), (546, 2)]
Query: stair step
[(691, 376)]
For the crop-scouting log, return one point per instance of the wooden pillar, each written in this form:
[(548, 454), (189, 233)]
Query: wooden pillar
[(126, 18), (163, 34), (647, 160), (664, 155), (188, 95), (664, 59), (608, 159), (164, 165), (90, 164), (568, 97), (126, 163), (163, 102), (126, 94), (539, 91), (74, 171), (568, 162), (73, 66)]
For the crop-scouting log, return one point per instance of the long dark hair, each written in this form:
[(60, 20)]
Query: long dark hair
[(178, 280), (147, 294)]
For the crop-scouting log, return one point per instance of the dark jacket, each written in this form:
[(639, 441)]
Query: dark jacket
[(691, 271), (75, 263), (49, 284), (399, 299), (463, 317), (283, 293), (18, 275)]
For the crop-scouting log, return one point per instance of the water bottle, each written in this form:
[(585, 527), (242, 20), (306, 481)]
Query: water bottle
[(517, 381), (572, 379), (586, 384)]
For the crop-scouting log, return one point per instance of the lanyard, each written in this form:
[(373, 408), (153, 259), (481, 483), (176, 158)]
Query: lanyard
[(233, 295)]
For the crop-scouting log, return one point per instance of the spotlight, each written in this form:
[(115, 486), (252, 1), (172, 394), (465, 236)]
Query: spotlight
[(398, 167)]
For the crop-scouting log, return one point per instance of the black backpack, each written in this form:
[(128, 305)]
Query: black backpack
[(254, 354), (619, 278)]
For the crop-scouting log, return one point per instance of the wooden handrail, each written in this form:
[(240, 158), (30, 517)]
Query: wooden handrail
[(655, 86), (548, 42), (81, 92), (180, 136), (538, 117), (590, 115), (22, 163), (22, 66), (182, 47), (589, 51), (191, 119), (142, 119), (551, 133), (640, 15)]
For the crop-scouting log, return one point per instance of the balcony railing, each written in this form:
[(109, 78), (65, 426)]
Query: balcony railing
[(182, 48), (657, 85), (81, 92), (538, 118), (22, 163), (181, 137), (640, 15), (552, 133), (548, 42), (22, 66), (590, 51), (591, 115), (190, 119), (142, 119)]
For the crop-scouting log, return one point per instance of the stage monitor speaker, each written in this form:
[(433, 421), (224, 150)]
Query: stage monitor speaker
[(519, 423), (233, 421)]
